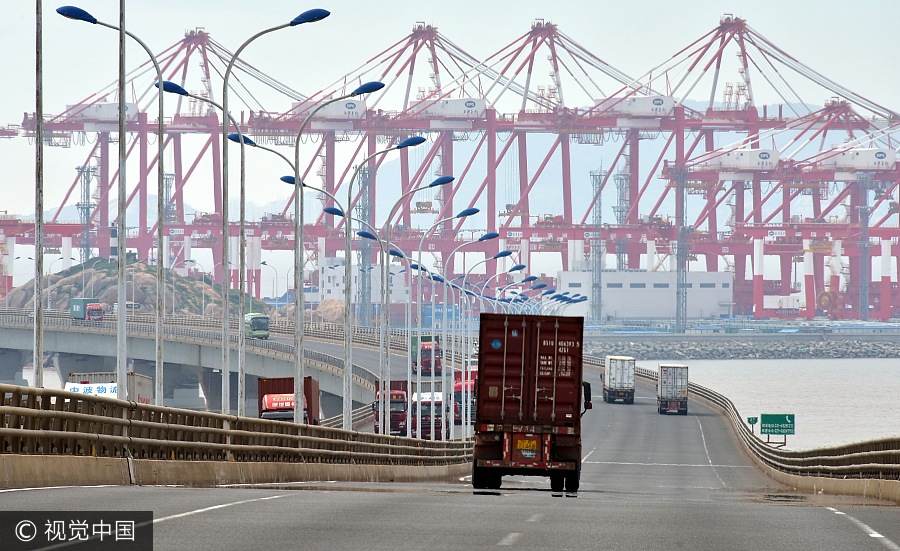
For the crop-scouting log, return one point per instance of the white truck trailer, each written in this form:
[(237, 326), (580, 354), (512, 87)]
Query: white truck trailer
[(672, 389), (618, 379)]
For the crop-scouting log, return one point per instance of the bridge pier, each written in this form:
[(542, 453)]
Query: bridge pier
[(11, 366)]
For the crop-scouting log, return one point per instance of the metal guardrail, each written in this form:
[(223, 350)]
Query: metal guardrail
[(875, 459), (48, 421), (56, 422)]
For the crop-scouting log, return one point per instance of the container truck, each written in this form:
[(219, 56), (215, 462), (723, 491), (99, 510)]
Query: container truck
[(427, 354), (81, 308), (426, 405), (529, 399), (672, 389), (139, 388), (618, 379), (397, 405), (277, 407)]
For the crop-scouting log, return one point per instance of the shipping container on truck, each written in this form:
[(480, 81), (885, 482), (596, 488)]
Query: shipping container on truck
[(528, 399), (397, 405), (78, 307), (618, 379), (672, 389), (139, 388), (285, 385)]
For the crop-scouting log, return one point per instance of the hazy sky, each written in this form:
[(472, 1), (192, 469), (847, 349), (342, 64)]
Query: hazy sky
[(842, 40)]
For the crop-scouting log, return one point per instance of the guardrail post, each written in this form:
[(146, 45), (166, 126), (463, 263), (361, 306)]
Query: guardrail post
[(226, 425)]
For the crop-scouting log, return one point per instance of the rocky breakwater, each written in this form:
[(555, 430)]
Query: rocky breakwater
[(686, 348)]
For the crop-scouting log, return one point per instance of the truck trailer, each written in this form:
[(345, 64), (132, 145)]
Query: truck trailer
[(672, 389), (277, 406), (138, 388), (529, 396), (618, 379)]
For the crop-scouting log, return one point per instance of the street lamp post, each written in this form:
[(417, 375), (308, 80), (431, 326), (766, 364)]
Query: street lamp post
[(49, 273), (486, 237), (385, 298), (309, 16), (274, 284), (73, 12), (463, 214), (203, 294), (348, 342), (299, 260)]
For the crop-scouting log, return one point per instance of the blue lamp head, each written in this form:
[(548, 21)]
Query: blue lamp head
[(368, 88), (77, 14), (172, 88), (537, 286), (502, 254), (529, 279), (488, 236), (435, 277), (367, 235), (334, 210), (395, 252), (468, 212), (549, 291), (441, 180), (235, 137), (516, 268), (410, 142), (310, 16)]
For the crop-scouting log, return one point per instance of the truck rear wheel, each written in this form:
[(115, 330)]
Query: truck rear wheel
[(479, 478), (557, 482), (572, 481)]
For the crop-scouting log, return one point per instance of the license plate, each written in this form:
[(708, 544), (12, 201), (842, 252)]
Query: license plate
[(527, 445)]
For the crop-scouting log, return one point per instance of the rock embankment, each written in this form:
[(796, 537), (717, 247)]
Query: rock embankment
[(739, 349)]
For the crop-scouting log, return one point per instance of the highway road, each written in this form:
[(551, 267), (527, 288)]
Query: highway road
[(648, 482)]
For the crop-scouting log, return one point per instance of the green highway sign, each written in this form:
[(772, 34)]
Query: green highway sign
[(776, 423), (752, 420)]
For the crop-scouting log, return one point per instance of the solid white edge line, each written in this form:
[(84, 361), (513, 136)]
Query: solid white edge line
[(214, 507)]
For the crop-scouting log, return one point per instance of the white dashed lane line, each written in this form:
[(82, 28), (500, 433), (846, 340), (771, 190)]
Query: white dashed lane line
[(888, 544)]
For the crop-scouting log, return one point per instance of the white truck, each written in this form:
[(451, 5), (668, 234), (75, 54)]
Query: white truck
[(672, 389), (618, 379), (102, 383)]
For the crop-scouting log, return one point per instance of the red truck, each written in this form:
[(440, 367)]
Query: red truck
[(275, 397), (464, 387), (529, 397), (397, 405), (428, 355)]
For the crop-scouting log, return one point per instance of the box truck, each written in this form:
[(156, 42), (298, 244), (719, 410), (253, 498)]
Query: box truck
[(672, 389), (618, 379), (139, 388), (529, 399)]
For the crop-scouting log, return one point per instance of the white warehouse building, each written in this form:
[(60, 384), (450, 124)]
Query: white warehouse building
[(642, 295)]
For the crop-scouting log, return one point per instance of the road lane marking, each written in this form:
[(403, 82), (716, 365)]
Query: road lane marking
[(510, 539), (56, 488), (706, 449), (214, 507), (535, 518), (868, 530), (704, 465)]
